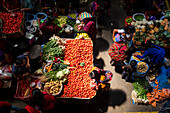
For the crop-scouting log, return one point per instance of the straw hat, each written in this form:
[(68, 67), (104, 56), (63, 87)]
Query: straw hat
[(35, 51)]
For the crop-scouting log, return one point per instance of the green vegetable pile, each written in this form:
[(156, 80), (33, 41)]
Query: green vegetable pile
[(53, 48), (129, 20), (59, 72), (140, 87), (139, 17)]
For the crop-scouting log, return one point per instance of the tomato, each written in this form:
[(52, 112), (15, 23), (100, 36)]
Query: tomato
[(11, 24)]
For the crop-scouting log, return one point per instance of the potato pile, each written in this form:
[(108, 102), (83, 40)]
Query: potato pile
[(55, 87), (142, 67)]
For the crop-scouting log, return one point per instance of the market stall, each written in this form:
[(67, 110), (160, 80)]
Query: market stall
[(148, 88), (73, 69)]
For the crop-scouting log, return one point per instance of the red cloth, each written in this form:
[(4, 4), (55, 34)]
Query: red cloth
[(31, 109), (90, 28), (5, 104), (11, 4), (48, 101)]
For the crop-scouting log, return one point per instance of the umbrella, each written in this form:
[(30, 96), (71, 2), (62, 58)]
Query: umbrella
[(84, 15), (117, 51)]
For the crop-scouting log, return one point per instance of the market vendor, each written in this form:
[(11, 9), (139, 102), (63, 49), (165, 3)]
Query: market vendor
[(90, 28), (128, 70), (21, 66), (155, 53), (100, 77), (35, 57), (126, 35)]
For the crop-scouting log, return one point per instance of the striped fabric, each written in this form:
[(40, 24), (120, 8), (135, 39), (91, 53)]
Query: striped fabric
[(117, 51), (84, 15)]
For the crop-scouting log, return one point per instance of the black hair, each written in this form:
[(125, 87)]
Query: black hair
[(129, 29), (94, 74), (22, 111), (36, 93), (19, 61), (133, 63), (37, 97)]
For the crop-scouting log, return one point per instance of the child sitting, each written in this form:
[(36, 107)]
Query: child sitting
[(100, 77)]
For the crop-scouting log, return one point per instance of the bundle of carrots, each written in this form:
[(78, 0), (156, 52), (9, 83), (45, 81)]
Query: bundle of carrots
[(49, 67), (158, 95)]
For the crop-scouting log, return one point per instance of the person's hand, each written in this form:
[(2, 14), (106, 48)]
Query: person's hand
[(47, 89), (135, 54), (28, 65), (159, 10), (142, 51)]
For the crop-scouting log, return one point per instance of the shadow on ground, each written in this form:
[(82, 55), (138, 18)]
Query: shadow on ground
[(99, 104), (99, 63), (101, 44), (117, 97)]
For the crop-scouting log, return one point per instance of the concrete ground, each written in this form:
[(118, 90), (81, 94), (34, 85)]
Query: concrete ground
[(118, 98)]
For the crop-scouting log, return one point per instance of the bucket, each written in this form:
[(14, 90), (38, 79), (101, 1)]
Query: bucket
[(28, 25), (30, 17), (39, 15)]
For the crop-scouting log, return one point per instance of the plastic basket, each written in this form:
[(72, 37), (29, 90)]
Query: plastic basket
[(17, 96), (127, 18), (71, 17), (138, 14), (143, 72)]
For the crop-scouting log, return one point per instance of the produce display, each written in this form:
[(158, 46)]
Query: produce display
[(82, 36), (129, 20), (72, 15), (141, 88), (53, 48), (138, 17), (23, 88), (79, 53), (157, 31), (142, 67), (60, 20), (11, 21), (158, 95), (54, 86), (57, 71)]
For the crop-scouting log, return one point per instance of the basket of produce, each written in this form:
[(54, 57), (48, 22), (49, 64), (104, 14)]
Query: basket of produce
[(142, 67), (138, 16), (128, 20), (55, 87), (72, 15), (23, 91), (82, 36), (140, 90), (13, 24)]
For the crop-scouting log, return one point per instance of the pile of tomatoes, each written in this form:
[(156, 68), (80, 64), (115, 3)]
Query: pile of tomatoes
[(11, 21), (23, 85), (78, 52)]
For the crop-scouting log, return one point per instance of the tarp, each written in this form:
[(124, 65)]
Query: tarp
[(84, 15)]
